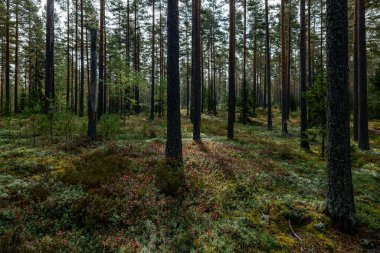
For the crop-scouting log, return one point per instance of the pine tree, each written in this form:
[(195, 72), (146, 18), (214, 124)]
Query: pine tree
[(49, 69), (340, 199), (303, 87), (196, 71), (362, 77), (231, 71), (174, 136), (268, 77)]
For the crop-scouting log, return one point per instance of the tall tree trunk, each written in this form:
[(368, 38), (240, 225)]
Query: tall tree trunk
[(362, 76), (92, 103), (196, 71), (340, 199), (255, 88), (16, 61), (309, 54), (7, 63), (68, 57), (232, 67), (101, 61), (284, 76), (303, 85), (245, 98), (174, 136), (356, 74), (153, 66), (2, 75), (289, 58), (268, 66), (81, 92), (76, 76), (49, 68)]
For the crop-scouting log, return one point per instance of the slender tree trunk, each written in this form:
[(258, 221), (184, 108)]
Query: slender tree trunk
[(153, 66), (309, 72), (284, 71), (340, 199), (2, 75), (7, 64), (68, 57), (81, 92), (92, 103), (289, 59), (303, 85), (362, 76), (356, 75), (174, 136), (268, 66), (232, 67), (16, 61), (101, 61), (255, 88), (245, 98), (196, 71), (49, 68), (76, 60), (187, 75)]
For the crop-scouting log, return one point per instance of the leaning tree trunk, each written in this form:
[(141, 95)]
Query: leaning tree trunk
[(231, 78), (268, 66), (340, 199), (49, 67), (92, 103), (362, 76), (303, 85), (196, 72), (174, 136)]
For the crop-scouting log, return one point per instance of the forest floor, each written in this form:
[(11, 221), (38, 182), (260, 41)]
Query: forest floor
[(259, 193)]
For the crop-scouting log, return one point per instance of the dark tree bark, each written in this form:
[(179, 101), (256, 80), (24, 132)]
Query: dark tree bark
[(81, 91), (136, 63), (356, 75), (340, 199), (255, 89), (245, 97), (362, 76), (16, 61), (101, 61), (231, 78), (303, 86), (174, 136), (76, 74), (309, 53), (7, 64), (196, 72), (153, 65), (268, 66), (68, 57), (284, 76), (92, 103), (49, 65)]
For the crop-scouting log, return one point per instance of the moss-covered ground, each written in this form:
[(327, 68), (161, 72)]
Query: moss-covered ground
[(258, 193)]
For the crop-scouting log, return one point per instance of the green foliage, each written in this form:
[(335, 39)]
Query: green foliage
[(170, 177), (96, 168), (109, 126), (373, 96)]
